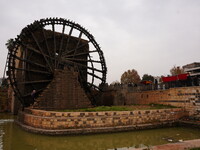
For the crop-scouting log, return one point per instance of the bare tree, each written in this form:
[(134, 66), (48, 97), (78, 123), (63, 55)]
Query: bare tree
[(130, 76), (176, 70), (114, 83)]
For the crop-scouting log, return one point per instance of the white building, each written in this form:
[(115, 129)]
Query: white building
[(193, 69)]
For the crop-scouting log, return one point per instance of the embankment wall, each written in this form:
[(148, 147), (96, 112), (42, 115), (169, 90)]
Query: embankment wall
[(185, 97), (4, 101), (50, 122)]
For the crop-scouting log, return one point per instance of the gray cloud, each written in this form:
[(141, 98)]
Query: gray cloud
[(148, 35)]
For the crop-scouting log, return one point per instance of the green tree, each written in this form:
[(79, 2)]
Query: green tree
[(147, 77), (176, 70), (130, 76), (115, 83), (4, 82), (9, 44)]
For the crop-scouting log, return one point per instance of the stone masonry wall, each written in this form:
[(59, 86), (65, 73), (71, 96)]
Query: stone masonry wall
[(4, 102), (186, 97), (64, 92), (80, 120)]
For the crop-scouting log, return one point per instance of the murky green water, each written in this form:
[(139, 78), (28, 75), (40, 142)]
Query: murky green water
[(13, 137)]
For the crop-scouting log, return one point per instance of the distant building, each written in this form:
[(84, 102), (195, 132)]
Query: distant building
[(193, 69)]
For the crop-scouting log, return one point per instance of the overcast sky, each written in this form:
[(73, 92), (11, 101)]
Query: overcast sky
[(150, 36)]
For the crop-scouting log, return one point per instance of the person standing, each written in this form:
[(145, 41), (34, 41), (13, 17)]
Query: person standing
[(155, 84), (33, 96)]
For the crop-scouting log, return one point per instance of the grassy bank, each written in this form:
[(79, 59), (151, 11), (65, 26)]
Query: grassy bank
[(120, 108)]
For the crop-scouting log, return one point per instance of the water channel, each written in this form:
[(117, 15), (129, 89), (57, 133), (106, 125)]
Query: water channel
[(13, 137)]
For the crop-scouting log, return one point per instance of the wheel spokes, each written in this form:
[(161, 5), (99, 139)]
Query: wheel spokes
[(43, 49)]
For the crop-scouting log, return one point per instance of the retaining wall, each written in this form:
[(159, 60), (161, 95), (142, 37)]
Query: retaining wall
[(49, 122), (4, 101), (186, 97)]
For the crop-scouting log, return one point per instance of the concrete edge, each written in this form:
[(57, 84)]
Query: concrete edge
[(185, 145), (190, 123), (94, 130)]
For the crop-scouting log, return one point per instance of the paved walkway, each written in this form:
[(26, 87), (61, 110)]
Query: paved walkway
[(185, 145)]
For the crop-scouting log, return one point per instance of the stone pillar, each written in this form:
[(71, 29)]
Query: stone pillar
[(64, 92)]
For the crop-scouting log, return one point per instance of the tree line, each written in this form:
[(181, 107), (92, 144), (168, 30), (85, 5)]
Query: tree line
[(132, 76)]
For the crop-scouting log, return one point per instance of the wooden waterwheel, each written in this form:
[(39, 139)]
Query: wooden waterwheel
[(50, 44)]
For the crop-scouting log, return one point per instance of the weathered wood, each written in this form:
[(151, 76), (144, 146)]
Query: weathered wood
[(78, 64), (83, 60), (34, 82), (28, 61), (42, 51), (35, 71), (80, 54)]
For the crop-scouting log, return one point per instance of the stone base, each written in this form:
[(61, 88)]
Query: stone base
[(95, 130), (62, 123)]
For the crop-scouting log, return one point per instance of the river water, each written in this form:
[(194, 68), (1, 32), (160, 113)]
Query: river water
[(12, 137)]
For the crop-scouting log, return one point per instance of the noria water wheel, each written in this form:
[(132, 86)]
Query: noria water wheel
[(50, 44)]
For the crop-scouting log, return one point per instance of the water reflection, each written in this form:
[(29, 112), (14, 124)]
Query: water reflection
[(1, 137), (14, 138)]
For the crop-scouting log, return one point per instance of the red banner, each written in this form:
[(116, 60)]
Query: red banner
[(175, 78)]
